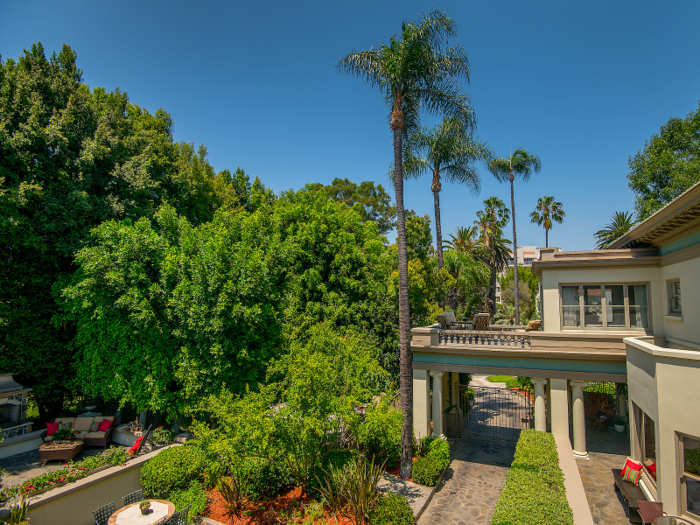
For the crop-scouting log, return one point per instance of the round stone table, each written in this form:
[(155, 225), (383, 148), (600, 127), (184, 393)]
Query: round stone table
[(671, 520), (131, 514)]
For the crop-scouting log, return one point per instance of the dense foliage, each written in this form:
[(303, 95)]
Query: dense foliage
[(173, 469), (392, 509), (534, 493), (668, 165), (433, 458), (72, 157)]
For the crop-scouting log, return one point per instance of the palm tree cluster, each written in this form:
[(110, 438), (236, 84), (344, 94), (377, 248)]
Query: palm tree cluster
[(417, 72), (622, 223)]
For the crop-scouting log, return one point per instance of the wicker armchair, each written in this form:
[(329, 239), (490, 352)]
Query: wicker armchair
[(179, 518), (103, 513), (534, 326), (482, 321), (133, 497)]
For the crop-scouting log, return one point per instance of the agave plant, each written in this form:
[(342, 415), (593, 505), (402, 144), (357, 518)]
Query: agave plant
[(233, 492), (360, 486), (18, 513)]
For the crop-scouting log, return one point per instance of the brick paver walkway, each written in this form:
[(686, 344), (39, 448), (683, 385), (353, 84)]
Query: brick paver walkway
[(607, 450), (470, 488)]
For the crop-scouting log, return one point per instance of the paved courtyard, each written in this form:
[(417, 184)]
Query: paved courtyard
[(27, 465), (607, 450)]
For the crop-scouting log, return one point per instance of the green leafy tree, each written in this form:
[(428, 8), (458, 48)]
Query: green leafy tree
[(448, 152), (470, 273), (490, 222), (525, 275), (668, 165), (414, 72), (375, 202), (522, 164), (622, 222), (546, 211), (72, 157), (525, 297)]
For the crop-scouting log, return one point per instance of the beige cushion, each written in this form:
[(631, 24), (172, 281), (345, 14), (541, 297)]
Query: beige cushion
[(450, 317), (82, 434), (83, 423), (65, 420), (47, 439), (95, 435)]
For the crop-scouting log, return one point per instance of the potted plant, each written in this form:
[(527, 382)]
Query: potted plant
[(619, 424), (64, 434), (145, 507)]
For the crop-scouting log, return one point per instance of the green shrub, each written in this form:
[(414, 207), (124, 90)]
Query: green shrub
[(391, 510), (195, 495), (172, 469), (380, 433), (266, 477), (534, 493), (433, 458)]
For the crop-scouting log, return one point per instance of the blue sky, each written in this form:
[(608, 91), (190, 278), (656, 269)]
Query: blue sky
[(581, 84)]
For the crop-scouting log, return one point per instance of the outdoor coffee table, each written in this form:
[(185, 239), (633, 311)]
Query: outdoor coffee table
[(64, 451), (131, 514)]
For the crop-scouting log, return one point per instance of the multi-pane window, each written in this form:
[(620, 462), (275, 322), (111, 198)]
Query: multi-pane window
[(604, 306), (674, 297), (690, 480)]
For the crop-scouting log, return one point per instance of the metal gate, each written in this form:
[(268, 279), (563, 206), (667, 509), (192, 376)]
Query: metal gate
[(495, 414)]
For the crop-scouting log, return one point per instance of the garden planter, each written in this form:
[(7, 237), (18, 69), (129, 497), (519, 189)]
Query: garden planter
[(620, 428)]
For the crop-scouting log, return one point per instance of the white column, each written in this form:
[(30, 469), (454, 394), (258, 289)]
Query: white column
[(437, 403), (540, 415), (560, 407), (549, 405), (421, 403), (579, 417), (445, 390), (621, 401)]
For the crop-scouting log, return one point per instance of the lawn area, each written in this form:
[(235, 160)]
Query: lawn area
[(500, 379)]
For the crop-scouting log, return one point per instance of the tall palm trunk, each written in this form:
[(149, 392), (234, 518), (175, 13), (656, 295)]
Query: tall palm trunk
[(436, 187), (492, 290), (405, 356), (546, 237), (516, 293)]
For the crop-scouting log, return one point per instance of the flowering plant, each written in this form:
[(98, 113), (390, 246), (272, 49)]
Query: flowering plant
[(64, 434)]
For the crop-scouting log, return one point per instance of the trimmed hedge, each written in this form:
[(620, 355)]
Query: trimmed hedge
[(391, 510), (534, 493), (172, 470), (433, 458)]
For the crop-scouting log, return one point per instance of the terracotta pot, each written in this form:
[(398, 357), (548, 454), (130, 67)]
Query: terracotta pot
[(145, 508)]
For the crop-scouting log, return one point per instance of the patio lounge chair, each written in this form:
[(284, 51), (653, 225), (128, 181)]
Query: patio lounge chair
[(534, 326), (103, 513), (481, 321), (448, 321)]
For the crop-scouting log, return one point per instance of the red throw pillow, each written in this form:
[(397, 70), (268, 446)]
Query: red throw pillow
[(652, 469), (133, 449), (105, 425), (632, 471), (51, 428)]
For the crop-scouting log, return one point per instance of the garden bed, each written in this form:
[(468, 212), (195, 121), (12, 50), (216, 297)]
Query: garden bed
[(287, 506)]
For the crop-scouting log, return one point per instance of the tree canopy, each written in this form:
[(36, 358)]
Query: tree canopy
[(668, 164), (375, 202)]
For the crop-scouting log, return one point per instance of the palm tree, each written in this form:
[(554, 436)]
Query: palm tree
[(505, 314), (466, 240), (520, 163), (622, 223), (414, 71), (469, 272), (448, 152), (490, 223), (546, 211)]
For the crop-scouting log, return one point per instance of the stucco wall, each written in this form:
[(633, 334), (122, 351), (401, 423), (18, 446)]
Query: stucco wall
[(665, 384), (551, 279), (73, 504), (687, 329)]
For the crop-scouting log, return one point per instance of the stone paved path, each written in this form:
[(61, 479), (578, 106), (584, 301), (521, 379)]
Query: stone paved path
[(606, 450), (471, 486), (416, 495)]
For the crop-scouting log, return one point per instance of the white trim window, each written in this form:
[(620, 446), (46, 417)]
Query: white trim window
[(604, 306), (690, 479), (674, 297)]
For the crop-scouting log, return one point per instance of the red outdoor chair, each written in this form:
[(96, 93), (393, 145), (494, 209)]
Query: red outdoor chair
[(650, 510)]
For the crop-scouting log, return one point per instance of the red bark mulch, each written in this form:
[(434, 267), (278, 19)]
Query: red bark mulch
[(396, 471), (281, 509)]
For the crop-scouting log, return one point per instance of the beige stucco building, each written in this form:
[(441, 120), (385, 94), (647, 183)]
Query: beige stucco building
[(630, 313)]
